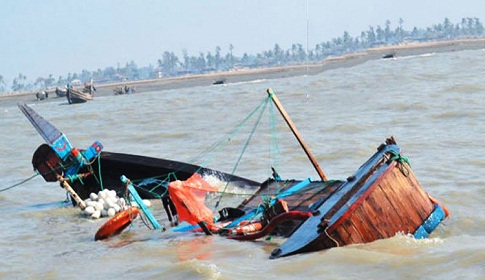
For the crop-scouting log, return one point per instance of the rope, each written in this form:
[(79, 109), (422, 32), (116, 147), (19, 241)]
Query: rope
[(225, 139), (20, 183), (401, 160), (100, 181), (243, 150), (212, 150), (333, 239), (75, 177)]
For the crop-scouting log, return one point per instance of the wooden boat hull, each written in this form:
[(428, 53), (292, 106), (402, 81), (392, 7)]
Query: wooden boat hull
[(41, 95), (382, 199), (76, 96), (299, 195), (150, 176), (103, 170), (109, 167), (61, 92)]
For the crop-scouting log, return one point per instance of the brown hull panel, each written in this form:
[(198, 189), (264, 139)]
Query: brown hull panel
[(395, 203), (382, 199)]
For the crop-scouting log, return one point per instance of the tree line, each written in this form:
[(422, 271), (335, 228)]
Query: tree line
[(170, 65)]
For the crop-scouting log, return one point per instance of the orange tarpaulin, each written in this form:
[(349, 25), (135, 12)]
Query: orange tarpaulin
[(189, 199)]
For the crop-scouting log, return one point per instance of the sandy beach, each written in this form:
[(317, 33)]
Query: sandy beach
[(242, 75)]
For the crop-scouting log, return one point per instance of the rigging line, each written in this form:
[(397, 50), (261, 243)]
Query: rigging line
[(100, 175), (20, 183), (217, 145), (224, 140), (242, 152), (273, 159)]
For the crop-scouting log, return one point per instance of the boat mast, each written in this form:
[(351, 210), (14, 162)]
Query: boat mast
[(296, 133)]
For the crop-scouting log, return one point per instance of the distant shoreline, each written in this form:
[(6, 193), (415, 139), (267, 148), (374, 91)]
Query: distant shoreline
[(243, 75)]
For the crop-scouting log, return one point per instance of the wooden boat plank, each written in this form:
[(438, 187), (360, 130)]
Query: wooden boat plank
[(362, 224), (401, 195), (366, 227), (419, 195), (377, 224), (308, 232), (387, 215), (397, 204), (353, 231)]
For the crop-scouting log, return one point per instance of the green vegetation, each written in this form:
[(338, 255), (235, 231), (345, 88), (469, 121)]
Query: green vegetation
[(169, 65)]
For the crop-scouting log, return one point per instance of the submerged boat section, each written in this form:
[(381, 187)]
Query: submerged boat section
[(381, 199)]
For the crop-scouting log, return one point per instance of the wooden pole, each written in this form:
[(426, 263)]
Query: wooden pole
[(74, 195), (296, 133)]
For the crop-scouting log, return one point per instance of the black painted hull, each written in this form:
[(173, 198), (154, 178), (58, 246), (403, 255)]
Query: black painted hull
[(109, 167)]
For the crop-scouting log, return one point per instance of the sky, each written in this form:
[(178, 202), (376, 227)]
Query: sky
[(57, 37)]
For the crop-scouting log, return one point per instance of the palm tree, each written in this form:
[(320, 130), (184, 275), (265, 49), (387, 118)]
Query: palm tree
[(19, 82), (168, 63), (230, 56), (2, 84)]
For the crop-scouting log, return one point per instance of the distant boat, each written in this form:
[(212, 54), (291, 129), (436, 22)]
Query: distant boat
[(219, 82), (80, 96), (41, 95), (76, 96), (123, 90), (61, 92), (389, 55)]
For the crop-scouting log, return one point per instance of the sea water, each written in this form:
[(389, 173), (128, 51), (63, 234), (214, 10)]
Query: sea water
[(433, 104)]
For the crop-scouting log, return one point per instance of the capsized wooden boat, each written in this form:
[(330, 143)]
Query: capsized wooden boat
[(92, 169), (383, 198)]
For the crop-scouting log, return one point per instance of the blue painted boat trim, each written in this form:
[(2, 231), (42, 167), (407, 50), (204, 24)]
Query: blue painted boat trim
[(62, 147), (141, 205), (293, 189), (92, 151), (185, 228), (431, 223), (421, 233), (357, 195)]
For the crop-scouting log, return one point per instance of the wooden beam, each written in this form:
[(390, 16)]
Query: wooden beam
[(296, 133)]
